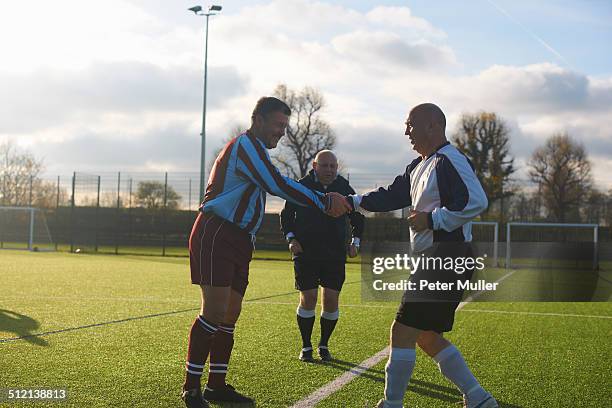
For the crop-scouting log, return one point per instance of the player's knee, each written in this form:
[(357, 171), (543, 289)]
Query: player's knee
[(232, 314), (403, 336), (330, 304), (309, 304), (330, 300), (214, 314), (395, 331), (308, 300), (426, 340), (431, 342), (233, 310)]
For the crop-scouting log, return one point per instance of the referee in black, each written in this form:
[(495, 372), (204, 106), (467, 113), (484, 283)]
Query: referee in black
[(318, 246)]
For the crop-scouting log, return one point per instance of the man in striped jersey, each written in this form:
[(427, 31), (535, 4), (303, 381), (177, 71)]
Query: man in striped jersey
[(221, 244), (446, 195)]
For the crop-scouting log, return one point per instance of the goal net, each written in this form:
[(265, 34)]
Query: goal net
[(485, 241), (552, 246), (555, 262), (24, 228)]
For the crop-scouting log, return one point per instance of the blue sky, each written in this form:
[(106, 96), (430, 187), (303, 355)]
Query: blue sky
[(483, 35), (580, 31), (118, 86)]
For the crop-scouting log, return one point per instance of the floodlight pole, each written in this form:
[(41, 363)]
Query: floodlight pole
[(212, 10), (203, 133)]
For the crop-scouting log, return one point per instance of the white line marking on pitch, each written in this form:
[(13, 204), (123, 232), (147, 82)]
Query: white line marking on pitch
[(101, 299), (295, 303), (342, 380), (536, 313), (464, 310), (335, 385)]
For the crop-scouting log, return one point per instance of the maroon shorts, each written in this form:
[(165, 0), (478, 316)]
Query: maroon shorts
[(219, 253)]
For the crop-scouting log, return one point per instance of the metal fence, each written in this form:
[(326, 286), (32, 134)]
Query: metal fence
[(152, 212), (115, 213)]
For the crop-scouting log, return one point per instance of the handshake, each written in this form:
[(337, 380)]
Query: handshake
[(337, 205)]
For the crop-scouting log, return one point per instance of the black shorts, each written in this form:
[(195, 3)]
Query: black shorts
[(434, 309), (310, 274), (435, 316)]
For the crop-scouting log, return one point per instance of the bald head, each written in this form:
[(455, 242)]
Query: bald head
[(325, 166), (325, 154), (425, 127), (432, 114)]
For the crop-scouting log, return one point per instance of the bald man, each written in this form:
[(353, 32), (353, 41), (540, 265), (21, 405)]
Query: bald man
[(318, 247), (445, 195)]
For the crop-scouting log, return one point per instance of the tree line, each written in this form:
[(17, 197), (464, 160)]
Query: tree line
[(560, 170), (21, 185)]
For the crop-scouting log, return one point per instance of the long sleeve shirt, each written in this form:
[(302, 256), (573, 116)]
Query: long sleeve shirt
[(443, 184), (240, 178)]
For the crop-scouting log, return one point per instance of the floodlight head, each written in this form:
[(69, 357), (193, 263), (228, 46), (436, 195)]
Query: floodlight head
[(214, 7), (195, 9)]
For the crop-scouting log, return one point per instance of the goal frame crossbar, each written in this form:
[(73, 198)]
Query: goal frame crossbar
[(509, 226)]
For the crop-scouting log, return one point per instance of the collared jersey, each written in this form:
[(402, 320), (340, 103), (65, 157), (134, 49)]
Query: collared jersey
[(445, 185), (239, 180)]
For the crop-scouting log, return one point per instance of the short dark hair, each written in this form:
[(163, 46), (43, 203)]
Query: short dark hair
[(269, 104)]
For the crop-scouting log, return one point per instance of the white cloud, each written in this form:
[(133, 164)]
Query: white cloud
[(103, 92), (542, 87), (385, 50), (124, 76), (71, 33), (402, 17)]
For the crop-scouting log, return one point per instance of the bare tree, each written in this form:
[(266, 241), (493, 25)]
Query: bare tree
[(607, 211), (307, 133), (108, 199), (595, 207), (46, 195), (19, 175), (485, 139), (524, 207), (150, 194), (563, 172)]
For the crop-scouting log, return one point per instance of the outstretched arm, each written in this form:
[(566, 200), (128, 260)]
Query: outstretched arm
[(253, 163), (393, 197)]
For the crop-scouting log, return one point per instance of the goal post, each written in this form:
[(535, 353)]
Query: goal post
[(568, 238), (24, 228), (487, 239)]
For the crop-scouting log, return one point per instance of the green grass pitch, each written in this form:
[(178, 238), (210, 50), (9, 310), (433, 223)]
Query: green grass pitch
[(122, 324)]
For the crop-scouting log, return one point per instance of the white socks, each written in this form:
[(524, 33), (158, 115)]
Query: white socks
[(453, 366), (305, 313), (398, 371), (330, 315)]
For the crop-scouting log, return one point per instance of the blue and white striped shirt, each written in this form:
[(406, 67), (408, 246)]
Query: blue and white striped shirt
[(239, 180)]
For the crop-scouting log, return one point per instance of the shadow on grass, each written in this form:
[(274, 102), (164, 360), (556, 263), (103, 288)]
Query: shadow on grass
[(444, 393), (22, 326), (369, 373), (431, 390), (441, 392)]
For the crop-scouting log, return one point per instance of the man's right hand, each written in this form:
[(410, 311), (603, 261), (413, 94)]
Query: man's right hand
[(295, 247), (338, 205)]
